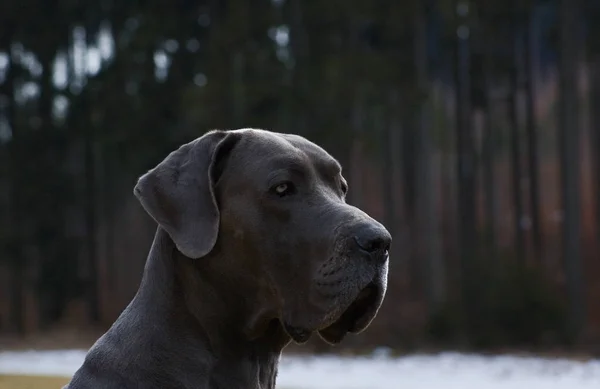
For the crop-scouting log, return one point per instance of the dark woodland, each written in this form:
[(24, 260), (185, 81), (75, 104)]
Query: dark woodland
[(471, 129)]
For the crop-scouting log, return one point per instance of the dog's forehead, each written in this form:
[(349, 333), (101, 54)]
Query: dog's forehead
[(281, 147)]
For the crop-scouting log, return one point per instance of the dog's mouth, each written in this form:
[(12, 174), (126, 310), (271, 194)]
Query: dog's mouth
[(357, 316)]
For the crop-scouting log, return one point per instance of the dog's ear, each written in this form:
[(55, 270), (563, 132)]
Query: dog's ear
[(179, 192)]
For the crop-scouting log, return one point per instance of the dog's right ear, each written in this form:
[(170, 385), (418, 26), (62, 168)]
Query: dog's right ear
[(179, 192)]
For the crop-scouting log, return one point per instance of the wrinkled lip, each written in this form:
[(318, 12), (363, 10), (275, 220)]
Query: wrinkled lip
[(356, 317)]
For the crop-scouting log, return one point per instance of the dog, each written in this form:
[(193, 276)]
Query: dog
[(256, 247)]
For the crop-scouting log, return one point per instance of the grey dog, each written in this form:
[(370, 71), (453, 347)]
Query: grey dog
[(255, 248)]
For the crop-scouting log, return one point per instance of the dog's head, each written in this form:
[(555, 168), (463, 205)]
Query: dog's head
[(275, 205)]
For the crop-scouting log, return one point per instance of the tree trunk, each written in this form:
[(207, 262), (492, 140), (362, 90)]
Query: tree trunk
[(569, 138), (356, 174), (409, 195), (532, 147), (427, 214), (515, 146), (15, 251), (489, 148), (238, 94), (389, 208), (96, 271), (402, 228), (594, 69), (90, 215), (299, 43), (50, 226), (465, 163)]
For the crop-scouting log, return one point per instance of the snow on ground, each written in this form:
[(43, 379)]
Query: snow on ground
[(441, 371)]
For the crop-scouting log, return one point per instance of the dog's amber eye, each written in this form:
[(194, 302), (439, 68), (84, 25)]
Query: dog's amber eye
[(283, 189)]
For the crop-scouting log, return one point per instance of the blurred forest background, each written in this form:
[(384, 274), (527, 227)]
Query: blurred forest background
[(471, 128)]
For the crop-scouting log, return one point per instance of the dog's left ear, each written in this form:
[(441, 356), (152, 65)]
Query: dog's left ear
[(179, 192)]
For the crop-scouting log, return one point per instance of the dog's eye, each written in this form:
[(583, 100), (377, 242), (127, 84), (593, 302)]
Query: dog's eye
[(283, 189)]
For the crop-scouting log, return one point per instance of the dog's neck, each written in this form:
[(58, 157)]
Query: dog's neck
[(215, 310)]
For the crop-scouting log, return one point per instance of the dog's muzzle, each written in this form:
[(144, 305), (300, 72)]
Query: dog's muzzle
[(353, 283), (372, 244)]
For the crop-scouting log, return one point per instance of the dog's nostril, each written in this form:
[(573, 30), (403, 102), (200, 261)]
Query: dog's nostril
[(373, 239), (373, 244)]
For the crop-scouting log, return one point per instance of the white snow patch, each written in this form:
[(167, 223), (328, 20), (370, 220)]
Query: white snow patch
[(441, 371), (62, 363)]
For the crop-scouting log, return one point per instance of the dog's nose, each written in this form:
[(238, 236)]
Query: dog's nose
[(374, 240)]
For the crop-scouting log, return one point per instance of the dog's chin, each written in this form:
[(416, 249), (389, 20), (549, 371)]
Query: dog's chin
[(357, 316), (298, 335)]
